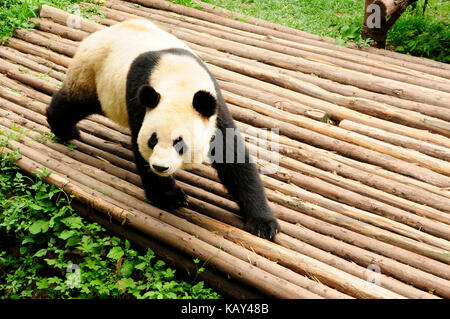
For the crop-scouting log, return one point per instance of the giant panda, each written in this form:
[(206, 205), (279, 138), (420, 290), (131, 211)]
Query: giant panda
[(146, 79)]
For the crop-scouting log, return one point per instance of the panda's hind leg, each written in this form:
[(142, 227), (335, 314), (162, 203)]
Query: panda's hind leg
[(64, 113)]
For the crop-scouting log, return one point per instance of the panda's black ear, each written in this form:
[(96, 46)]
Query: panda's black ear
[(147, 96), (204, 103)]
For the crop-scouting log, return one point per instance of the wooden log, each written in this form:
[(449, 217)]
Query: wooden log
[(68, 19), (396, 139), (13, 71), (33, 49), (406, 62), (405, 256), (302, 235), (185, 242), (23, 59), (376, 68), (324, 70), (412, 274), (290, 147), (258, 22), (369, 107), (37, 39), (318, 254), (64, 31), (343, 148), (407, 155), (183, 265), (335, 111), (23, 90), (336, 214), (361, 200), (350, 103)]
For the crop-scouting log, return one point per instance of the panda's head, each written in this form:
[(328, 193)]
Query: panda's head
[(177, 128)]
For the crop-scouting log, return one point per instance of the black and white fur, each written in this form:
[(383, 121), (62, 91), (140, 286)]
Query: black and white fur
[(146, 79)]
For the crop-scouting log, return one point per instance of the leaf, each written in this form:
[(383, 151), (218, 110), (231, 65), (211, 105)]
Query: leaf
[(115, 253), (40, 253), (73, 222), (38, 227), (127, 268), (67, 234)]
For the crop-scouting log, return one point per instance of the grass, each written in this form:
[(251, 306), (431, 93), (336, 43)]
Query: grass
[(427, 36), (15, 13), (48, 251)]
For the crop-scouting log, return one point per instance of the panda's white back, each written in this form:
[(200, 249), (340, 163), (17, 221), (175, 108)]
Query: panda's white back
[(102, 62)]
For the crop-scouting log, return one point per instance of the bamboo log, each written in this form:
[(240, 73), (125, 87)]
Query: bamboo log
[(318, 254), (33, 49), (336, 214), (68, 19), (233, 83), (282, 60), (185, 242), (399, 114), (346, 192), (375, 68), (334, 110), (369, 107), (369, 143), (258, 22), (324, 70), (23, 90), (295, 149), (396, 139), (38, 39), (23, 59), (409, 272), (183, 265), (341, 147), (13, 71), (407, 62), (64, 31), (327, 229)]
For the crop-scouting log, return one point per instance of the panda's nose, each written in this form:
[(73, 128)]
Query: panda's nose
[(160, 168)]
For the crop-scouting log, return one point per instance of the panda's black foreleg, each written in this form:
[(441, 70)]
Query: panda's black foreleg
[(161, 191), (64, 113), (242, 181)]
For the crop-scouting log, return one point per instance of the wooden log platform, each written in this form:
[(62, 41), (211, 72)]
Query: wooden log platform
[(361, 185)]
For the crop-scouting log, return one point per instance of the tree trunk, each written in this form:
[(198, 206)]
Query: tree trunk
[(376, 13)]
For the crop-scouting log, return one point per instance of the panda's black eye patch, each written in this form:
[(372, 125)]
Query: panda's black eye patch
[(179, 145), (153, 141)]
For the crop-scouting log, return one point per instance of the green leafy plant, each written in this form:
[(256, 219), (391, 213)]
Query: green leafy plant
[(47, 251)]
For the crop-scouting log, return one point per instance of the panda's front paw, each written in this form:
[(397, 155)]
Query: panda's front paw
[(264, 227), (171, 199), (65, 135)]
